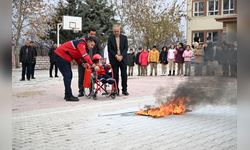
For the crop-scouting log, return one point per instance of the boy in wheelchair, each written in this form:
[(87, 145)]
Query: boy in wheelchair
[(104, 76)]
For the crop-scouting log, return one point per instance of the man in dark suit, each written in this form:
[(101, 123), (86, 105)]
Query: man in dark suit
[(117, 50), (26, 56), (95, 50), (33, 64)]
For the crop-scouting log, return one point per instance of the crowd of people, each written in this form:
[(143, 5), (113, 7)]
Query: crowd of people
[(175, 59), (178, 59)]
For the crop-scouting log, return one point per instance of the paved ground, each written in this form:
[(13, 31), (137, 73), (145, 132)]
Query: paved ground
[(43, 120)]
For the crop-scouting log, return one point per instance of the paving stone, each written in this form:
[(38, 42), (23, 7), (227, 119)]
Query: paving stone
[(43, 120)]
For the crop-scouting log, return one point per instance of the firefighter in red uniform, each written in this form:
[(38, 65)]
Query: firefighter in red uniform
[(77, 50)]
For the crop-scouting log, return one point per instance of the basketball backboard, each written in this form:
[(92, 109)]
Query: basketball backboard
[(72, 23)]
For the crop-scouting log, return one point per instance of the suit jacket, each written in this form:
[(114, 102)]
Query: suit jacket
[(112, 49), (24, 57)]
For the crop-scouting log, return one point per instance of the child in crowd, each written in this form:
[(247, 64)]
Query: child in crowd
[(153, 58), (131, 62), (179, 59), (164, 60), (171, 59), (198, 56), (143, 60), (187, 55)]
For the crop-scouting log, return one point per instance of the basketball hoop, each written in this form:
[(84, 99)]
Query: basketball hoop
[(72, 23), (69, 23)]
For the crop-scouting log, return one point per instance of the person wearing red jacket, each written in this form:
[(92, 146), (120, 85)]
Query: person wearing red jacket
[(77, 50), (143, 60)]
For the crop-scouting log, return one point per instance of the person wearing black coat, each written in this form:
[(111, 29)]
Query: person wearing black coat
[(26, 57), (52, 61), (131, 62), (164, 60), (137, 57), (117, 51), (33, 64)]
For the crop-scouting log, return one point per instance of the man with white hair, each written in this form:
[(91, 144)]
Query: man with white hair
[(117, 51)]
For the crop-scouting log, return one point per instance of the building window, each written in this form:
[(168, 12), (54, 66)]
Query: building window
[(228, 7), (200, 35), (214, 36), (213, 7), (198, 9)]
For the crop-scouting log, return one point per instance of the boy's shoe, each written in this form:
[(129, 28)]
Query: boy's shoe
[(81, 94)]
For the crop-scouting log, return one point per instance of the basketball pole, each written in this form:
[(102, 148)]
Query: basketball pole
[(59, 25)]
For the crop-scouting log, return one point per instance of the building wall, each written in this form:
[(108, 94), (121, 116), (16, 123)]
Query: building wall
[(205, 23), (202, 23), (231, 27), (230, 34)]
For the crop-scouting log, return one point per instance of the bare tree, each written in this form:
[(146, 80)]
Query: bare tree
[(29, 19), (151, 22)]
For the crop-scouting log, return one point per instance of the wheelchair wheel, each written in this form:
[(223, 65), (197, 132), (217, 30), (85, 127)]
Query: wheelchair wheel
[(94, 96), (87, 95), (113, 96)]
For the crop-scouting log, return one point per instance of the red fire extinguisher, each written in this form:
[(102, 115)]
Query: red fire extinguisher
[(87, 78)]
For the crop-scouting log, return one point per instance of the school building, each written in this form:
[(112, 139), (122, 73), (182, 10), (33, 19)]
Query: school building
[(216, 19)]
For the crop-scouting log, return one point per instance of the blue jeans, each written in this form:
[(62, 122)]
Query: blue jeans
[(65, 69)]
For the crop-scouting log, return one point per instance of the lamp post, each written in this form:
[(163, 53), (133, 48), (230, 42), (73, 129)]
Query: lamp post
[(59, 25)]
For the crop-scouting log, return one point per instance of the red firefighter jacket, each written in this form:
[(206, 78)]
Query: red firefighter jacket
[(75, 49)]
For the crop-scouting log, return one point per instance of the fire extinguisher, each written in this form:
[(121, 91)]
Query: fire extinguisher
[(87, 78)]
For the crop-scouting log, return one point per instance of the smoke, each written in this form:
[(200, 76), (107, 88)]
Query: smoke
[(202, 91), (209, 90), (218, 83)]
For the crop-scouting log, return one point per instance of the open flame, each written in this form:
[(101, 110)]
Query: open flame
[(175, 106)]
